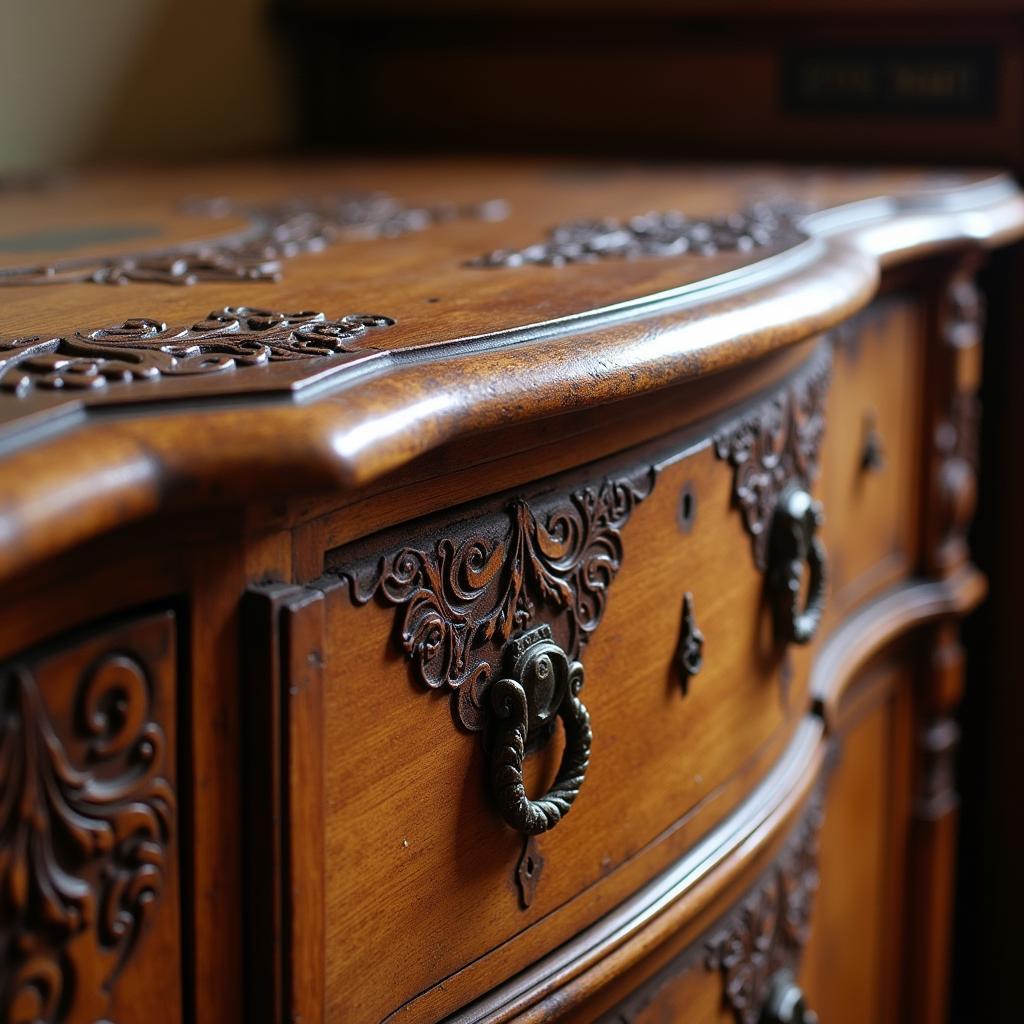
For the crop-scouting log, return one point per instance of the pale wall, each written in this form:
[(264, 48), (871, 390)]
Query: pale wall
[(101, 79)]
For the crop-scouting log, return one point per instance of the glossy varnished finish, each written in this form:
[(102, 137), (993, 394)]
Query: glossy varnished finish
[(392, 565)]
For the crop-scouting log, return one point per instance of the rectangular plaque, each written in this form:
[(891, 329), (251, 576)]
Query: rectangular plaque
[(948, 80)]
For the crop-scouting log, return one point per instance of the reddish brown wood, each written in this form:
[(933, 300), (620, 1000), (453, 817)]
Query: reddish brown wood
[(515, 455)]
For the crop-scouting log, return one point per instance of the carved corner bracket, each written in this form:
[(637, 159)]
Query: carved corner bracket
[(775, 445), (768, 931), (461, 599)]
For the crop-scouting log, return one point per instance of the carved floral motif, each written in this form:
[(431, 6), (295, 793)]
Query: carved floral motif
[(655, 234), (777, 443), (770, 928), (144, 349), (460, 600), (83, 838), (276, 232)]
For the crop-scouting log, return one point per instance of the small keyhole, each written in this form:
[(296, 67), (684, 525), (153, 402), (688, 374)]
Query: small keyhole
[(688, 507)]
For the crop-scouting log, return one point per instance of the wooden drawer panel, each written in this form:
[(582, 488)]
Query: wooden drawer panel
[(417, 624), (872, 462), (89, 902)]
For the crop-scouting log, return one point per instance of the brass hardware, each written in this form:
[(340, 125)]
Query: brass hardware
[(542, 683), (690, 656), (872, 458), (786, 1002), (793, 544)]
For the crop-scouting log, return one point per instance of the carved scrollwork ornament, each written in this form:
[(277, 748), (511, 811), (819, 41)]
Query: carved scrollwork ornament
[(541, 684), (461, 599), (143, 348)]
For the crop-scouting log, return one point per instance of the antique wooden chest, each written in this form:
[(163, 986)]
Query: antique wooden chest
[(485, 591)]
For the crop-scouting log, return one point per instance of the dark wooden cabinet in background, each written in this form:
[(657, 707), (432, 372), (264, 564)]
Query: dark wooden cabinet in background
[(488, 591)]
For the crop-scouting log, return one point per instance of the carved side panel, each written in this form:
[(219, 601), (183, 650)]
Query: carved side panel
[(461, 596), (776, 443), (88, 830)]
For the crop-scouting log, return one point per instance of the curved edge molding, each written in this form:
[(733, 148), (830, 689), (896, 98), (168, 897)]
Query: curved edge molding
[(870, 629)]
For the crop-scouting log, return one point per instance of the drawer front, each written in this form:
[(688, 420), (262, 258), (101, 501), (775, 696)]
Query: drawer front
[(89, 902), (872, 458), (629, 601)]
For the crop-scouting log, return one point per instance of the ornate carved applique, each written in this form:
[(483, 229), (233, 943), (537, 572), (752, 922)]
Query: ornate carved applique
[(143, 349), (276, 232), (86, 819), (656, 234), (768, 931), (776, 444), (461, 599)]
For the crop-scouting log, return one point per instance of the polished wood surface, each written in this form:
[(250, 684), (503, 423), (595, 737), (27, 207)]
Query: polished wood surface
[(593, 481)]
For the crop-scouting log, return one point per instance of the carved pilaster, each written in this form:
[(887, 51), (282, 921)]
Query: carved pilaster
[(954, 419), (87, 821)]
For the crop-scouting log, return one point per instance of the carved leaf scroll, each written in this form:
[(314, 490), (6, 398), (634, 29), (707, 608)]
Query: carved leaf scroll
[(778, 442), (145, 349), (462, 598), (85, 824)]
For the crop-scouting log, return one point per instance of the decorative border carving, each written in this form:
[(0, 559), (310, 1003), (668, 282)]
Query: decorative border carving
[(83, 837), (276, 232), (462, 598), (655, 235), (144, 349), (777, 443)]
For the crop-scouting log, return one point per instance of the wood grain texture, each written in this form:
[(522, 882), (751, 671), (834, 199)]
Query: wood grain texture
[(535, 449)]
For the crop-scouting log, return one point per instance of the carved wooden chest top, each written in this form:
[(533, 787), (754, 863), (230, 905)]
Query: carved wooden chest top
[(485, 591)]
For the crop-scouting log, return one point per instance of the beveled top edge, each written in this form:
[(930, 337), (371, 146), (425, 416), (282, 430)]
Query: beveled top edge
[(102, 468)]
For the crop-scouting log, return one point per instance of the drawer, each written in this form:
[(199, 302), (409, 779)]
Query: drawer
[(639, 582), (872, 460), (89, 891)]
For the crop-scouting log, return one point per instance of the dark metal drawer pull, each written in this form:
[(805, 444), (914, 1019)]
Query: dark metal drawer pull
[(794, 544), (542, 683), (786, 1002)]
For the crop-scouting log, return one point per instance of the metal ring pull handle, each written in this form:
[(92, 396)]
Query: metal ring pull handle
[(786, 1002), (795, 544), (542, 684)]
